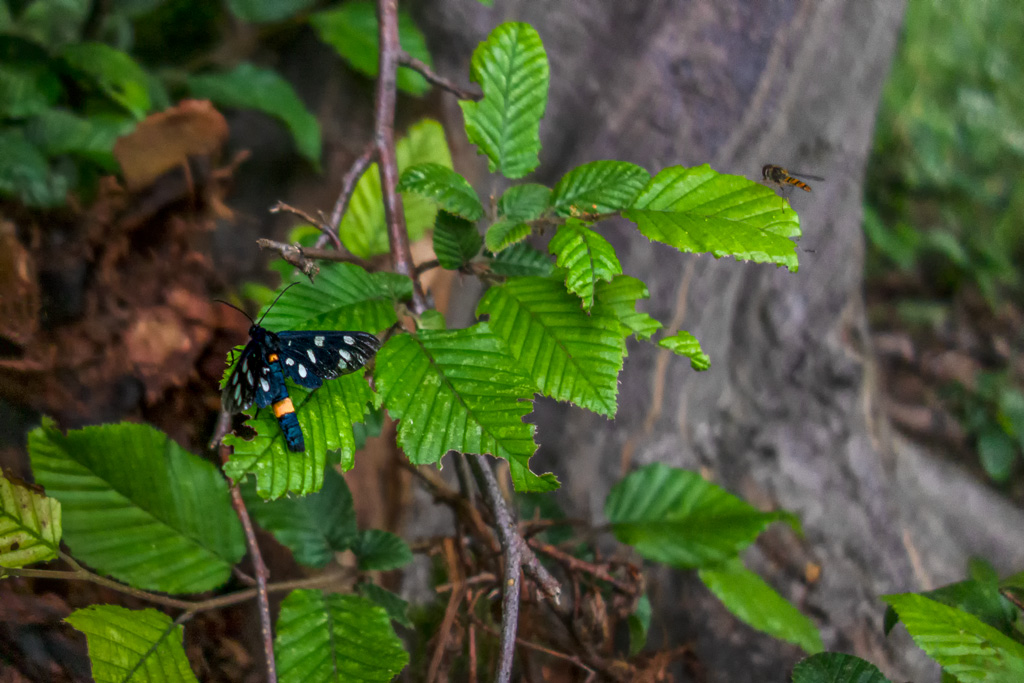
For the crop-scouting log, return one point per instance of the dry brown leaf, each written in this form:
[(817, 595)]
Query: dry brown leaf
[(166, 139)]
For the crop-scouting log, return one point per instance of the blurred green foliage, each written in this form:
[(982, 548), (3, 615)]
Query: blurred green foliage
[(77, 74), (945, 186)]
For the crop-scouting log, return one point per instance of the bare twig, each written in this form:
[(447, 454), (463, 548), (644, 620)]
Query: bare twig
[(384, 139), (450, 612), (79, 573), (507, 534), (534, 646), (581, 565), (427, 265), (304, 258), (260, 568), (323, 226), (222, 428), (405, 59), (348, 186)]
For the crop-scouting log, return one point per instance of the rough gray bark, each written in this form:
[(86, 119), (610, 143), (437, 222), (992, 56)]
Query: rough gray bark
[(788, 415)]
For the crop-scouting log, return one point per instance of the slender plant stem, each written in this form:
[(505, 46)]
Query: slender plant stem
[(583, 566), (322, 226), (507, 534), (190, 606), (384, 139), (260, 568), (304, 258), (348, 186), (440, 81)]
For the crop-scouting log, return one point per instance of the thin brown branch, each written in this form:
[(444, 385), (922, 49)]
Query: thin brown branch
[(190, 606), (384, 139), (261, 571), (304, 258), (427, 265), (511, 550), (323, 226), (222, 428), (445, 494), (450, 612), (405, 59), (348, 186), (573, 659), (576, 564)]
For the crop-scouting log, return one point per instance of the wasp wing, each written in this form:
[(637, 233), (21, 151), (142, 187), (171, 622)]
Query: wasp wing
[(249, 382), (309, 358)]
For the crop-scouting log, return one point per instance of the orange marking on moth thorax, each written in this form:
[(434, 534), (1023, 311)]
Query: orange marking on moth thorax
[(272, 357), (283, 407)]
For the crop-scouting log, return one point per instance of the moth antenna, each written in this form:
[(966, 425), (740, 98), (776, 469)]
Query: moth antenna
[(221, 301), (275, 301)]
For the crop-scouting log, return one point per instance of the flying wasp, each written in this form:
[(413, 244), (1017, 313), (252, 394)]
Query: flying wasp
[(779, 176)]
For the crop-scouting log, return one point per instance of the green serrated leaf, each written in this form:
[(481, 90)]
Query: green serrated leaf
[(639, 625), (115, 73), (313, 527), (618, 298), (30, 525), (261, 11), (836, 667), (504, 234), (685, 344), (586, 257), (345, 297), (675, 517), (756, 603), (526, 202), (379, 550), (394, 605), (458, 390), (363, 231), (456, 240), (57, 132), (599, 187), (335, 637), (699, 210), (137, 645), (522, 260), (351, 29), (138, 507), (25, 174), (512, 69), (451, 191), (326, 417), (570, 355), (248, 86), (965, 646), (980, 598)]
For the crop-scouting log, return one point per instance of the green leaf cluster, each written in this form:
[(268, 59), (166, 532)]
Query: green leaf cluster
[(66, 96), (676, 517), (137, 507)]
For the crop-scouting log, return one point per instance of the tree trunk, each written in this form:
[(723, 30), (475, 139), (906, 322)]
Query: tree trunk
[(788, 414)]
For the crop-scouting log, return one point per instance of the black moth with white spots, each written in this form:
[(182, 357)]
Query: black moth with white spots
[(307, 358)]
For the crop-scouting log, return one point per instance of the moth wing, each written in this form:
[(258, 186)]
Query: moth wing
[(311, 357), (245, 385)]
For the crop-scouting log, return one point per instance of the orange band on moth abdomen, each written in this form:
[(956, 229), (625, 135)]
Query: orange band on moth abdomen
[(283, 407), (272, 357)]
